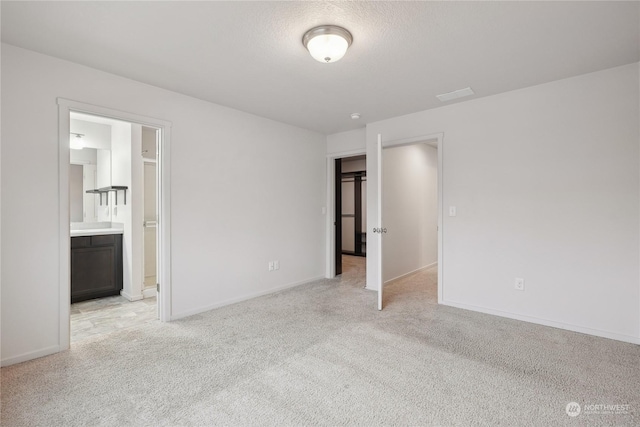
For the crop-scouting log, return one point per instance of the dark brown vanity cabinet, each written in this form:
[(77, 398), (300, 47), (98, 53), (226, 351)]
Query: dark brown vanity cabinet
[(96, 266)]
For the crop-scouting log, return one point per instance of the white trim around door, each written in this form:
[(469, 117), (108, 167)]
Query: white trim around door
[(435, 140), (65, 107), (330, 209)]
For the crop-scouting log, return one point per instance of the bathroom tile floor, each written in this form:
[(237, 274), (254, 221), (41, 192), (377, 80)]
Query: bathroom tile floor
[(105, 315)]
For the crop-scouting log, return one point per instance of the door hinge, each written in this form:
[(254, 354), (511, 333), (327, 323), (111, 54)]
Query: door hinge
[(157, 287)]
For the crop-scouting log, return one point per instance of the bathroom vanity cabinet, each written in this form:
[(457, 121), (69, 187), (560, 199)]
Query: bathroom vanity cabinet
[(96, 266)]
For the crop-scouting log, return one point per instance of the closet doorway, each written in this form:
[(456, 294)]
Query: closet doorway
[(350, 209)]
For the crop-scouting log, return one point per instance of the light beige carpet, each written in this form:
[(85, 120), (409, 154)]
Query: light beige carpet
[(320, 354)]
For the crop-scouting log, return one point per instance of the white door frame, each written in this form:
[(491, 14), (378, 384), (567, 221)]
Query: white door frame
[(380, 226), (432, 139), (65, 107), (145, 291), (330, 264)]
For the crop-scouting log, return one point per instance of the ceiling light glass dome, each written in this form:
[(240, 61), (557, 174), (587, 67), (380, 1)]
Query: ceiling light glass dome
[(327, 43)]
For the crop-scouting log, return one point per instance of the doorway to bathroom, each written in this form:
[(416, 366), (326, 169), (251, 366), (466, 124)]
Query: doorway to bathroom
[(115, 223)]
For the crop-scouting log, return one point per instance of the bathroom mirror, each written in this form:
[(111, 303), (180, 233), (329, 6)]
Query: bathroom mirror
[(90, 169)]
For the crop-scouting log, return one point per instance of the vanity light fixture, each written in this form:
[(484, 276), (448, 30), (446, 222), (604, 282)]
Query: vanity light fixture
[(76, 143), (327, 43)]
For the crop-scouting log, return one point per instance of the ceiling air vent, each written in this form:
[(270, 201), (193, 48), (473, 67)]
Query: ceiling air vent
[(460, 93)]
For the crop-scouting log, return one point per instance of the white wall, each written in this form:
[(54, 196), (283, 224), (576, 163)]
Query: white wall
[(90, 202), (96, 135), (234, 205), (76, 202), (409, 209), (86, 156), (125, 140), (546, 185), (103, 179), (103, 175), (346, 142), (149, 142)]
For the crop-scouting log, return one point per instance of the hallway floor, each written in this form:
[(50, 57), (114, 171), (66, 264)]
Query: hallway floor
[(422, 285)]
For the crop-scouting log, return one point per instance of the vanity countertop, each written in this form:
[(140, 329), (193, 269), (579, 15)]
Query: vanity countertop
[(96, 231)]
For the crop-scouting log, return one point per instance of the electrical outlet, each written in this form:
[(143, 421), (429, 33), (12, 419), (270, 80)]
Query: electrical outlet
[(271, 266), (519, 284), (276, 265)]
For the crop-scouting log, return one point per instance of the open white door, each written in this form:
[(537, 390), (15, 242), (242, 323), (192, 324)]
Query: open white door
[(380, 230)]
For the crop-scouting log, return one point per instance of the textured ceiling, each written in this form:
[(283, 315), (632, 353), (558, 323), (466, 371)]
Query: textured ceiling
[(249, 55)]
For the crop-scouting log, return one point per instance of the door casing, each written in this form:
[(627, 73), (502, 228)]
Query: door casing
[(374, 210), (330, 256), (65, 107)]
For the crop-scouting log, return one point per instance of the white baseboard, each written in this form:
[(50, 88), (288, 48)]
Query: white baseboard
[(560, 325), (30, 355), (402, 276), (433, 264), (242, 298), (149, 292), (131, 297)]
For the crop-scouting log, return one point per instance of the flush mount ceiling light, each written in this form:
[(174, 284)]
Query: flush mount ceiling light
[(75, 142), (327, 43)]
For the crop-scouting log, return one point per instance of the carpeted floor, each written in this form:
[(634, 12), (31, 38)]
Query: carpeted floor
[(320, 354)]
